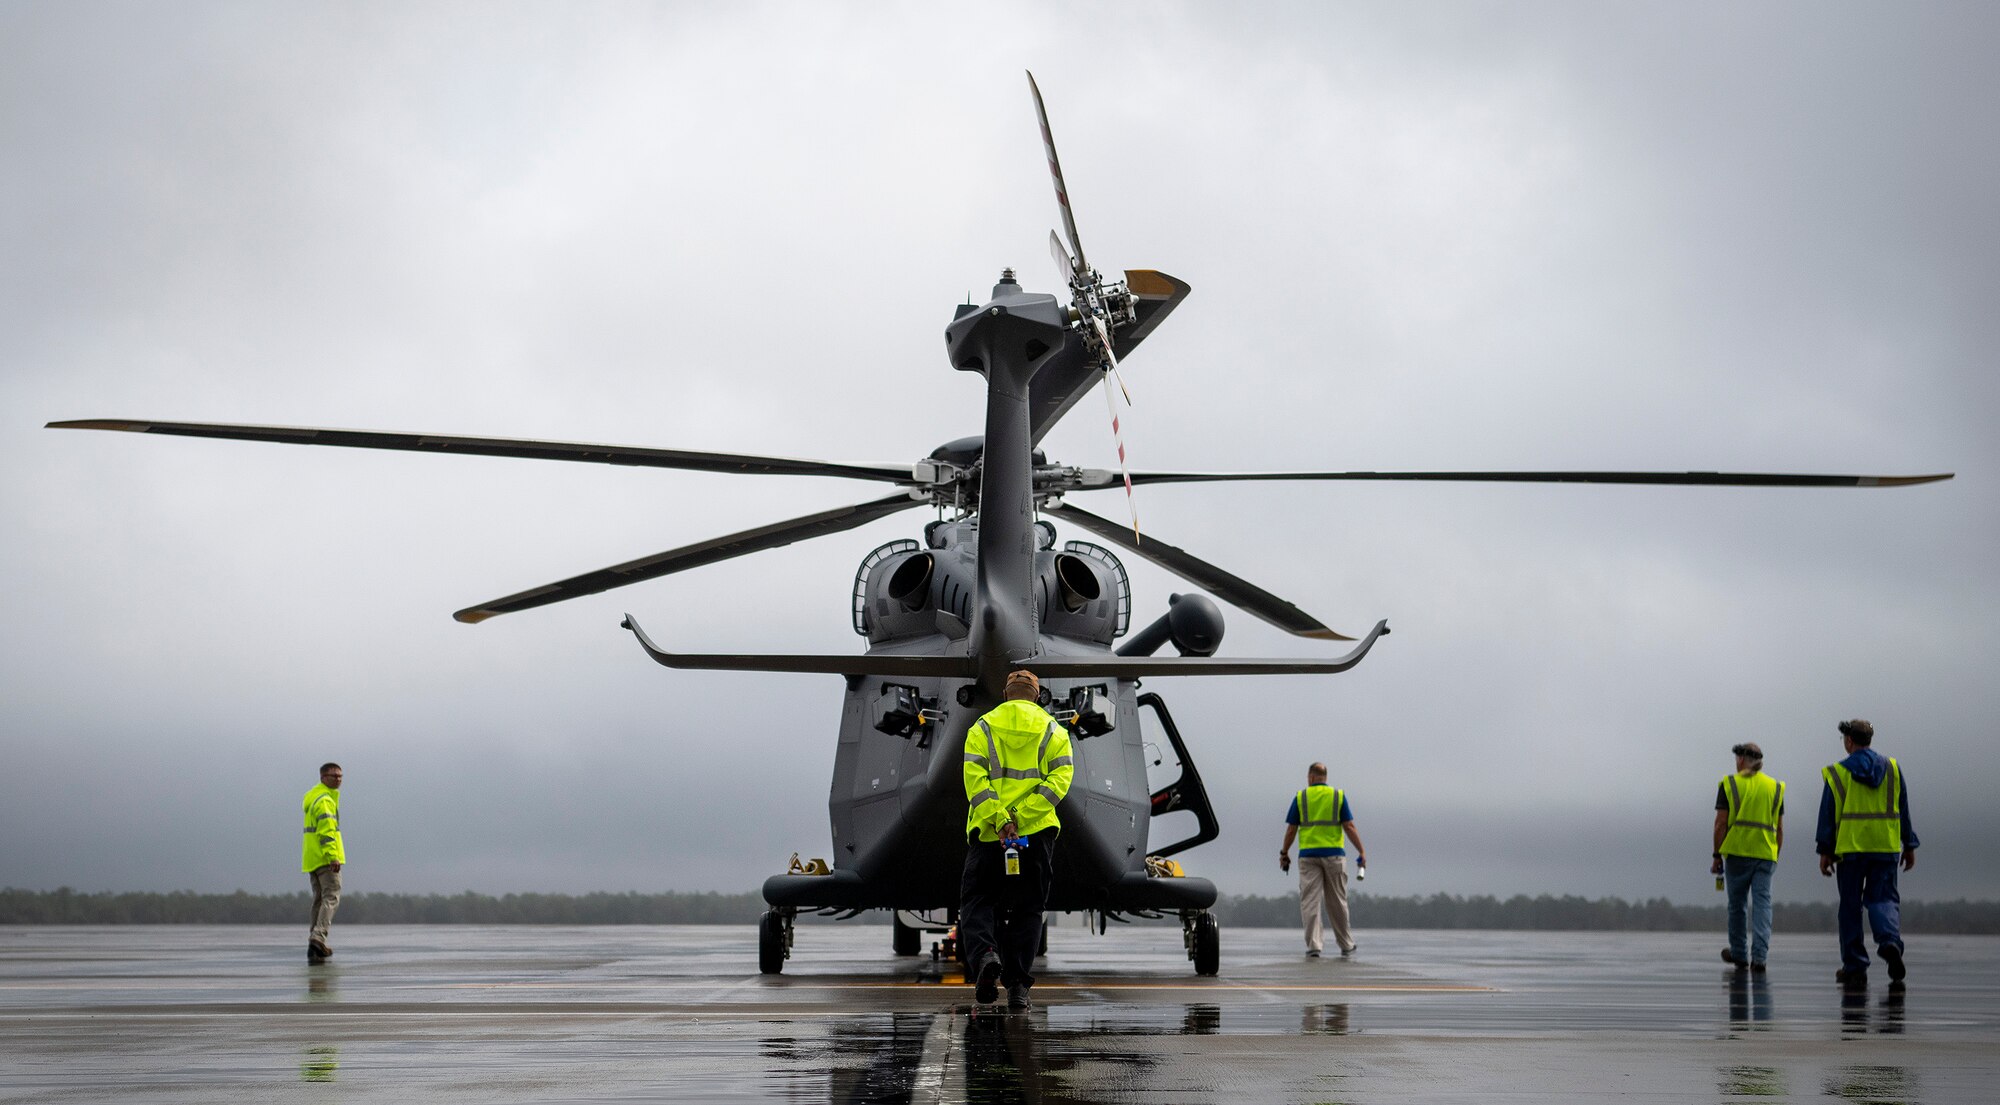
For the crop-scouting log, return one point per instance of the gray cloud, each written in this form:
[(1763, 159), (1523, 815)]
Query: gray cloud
[(1477, 237)]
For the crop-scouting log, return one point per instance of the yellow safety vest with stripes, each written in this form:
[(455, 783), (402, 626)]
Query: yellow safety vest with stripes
[(1017, 764), (321, 806), (1755, 802), (1866, 819), (1319, 817)]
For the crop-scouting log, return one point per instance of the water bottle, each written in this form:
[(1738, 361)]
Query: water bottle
[(1718, 880), (1360, 871), (1013, 859)]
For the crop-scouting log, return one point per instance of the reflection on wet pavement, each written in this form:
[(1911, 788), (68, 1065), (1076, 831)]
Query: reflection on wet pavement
[(186, 1014), (320, 1061), (1749, 998), (1872, 1085), (1751, 1082)]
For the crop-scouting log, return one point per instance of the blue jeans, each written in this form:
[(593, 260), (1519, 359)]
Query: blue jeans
[(1749, 883), (1867, 881)]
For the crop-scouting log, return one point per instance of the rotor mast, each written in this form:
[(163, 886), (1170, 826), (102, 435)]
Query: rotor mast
[(1006, 340)]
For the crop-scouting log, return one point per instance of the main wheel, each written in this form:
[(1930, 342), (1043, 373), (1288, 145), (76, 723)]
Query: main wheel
[(771, 942), (1207, 945), (904, 939)]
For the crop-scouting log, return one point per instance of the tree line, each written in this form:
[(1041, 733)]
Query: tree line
[(1437, 911)]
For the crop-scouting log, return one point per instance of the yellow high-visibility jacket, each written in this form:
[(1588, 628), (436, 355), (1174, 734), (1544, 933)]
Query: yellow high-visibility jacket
[(1018, 764), (1755, 802), (321, 806)]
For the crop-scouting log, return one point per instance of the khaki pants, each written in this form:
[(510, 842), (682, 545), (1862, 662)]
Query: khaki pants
[(1323, 887), (326, 898)]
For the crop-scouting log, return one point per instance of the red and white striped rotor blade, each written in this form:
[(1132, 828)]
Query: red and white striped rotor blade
[(1055, 173), (1117, 430)]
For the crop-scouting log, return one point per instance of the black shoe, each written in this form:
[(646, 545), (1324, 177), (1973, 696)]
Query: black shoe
[(1850, 978), (1730, 957), (1311, 954), (1017, 999), (1345, 952), (986, 989), (1894, 958), (317, 952), (1756, 966)]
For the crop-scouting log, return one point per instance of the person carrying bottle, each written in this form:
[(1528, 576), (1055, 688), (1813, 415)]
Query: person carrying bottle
[(1749, 832), (1017, 768)]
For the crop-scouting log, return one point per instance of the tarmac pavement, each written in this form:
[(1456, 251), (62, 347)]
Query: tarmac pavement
[(632, 1013)]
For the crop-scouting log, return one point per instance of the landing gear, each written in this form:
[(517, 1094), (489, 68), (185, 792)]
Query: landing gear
[(774, 940), (1204, 941), (905, 939)]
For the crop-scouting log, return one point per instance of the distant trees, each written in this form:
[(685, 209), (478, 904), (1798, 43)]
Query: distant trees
[(1570, 913), (1438, 911)]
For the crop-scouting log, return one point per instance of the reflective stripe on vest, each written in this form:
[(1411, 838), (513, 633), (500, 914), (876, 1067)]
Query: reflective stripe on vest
[(1320, 831), (1865, 818), (1754, 804)]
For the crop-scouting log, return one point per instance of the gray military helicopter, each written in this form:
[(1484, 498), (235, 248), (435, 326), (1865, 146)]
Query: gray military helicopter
[(986, 590)]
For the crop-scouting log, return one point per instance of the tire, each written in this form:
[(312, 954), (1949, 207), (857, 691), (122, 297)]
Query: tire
[(904, 939), (771, 943), (1207, 945)]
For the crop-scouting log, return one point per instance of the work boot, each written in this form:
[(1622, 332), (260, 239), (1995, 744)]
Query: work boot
[(986, 986), (1017, 999), (317, 953), (1894, 958), (1850, 978), (1756, 966), (1730, 957)]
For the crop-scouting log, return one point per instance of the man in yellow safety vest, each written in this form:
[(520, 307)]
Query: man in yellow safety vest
[(322, 857), (1864, 830), (1749, 832), (1017, 769), (1323, 823)]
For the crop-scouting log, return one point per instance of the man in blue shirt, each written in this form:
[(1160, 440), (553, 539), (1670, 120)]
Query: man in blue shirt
[(1323, 823)]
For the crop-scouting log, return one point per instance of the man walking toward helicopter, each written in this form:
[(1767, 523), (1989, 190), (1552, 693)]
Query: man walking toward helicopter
[(1017, 768)]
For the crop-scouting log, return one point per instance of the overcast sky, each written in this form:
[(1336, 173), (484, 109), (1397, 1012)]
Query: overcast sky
[(1729, 237)]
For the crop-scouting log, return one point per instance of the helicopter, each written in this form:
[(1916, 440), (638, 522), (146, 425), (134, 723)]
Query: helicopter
[(990, 586)]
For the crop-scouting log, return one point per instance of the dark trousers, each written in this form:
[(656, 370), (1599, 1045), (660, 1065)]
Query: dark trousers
[(1002, 913), (1867, 882)]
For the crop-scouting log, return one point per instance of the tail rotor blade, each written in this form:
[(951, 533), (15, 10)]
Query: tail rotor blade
[(1118, 439), (1063, 262), (1055, 173)]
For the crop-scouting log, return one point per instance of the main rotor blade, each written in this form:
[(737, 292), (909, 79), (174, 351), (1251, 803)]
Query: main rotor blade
[(772, 536), (1055, 173), (505, 447), (1232, 589), (1711, 479)]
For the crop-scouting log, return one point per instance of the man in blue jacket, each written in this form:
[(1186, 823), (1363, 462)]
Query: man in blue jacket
[(1864, 831)]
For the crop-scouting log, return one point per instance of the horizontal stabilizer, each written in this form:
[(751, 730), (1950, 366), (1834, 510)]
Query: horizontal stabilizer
[(1144, 667), (938, 667)]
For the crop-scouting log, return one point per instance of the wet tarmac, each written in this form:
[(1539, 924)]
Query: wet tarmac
[(452, 1014)]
